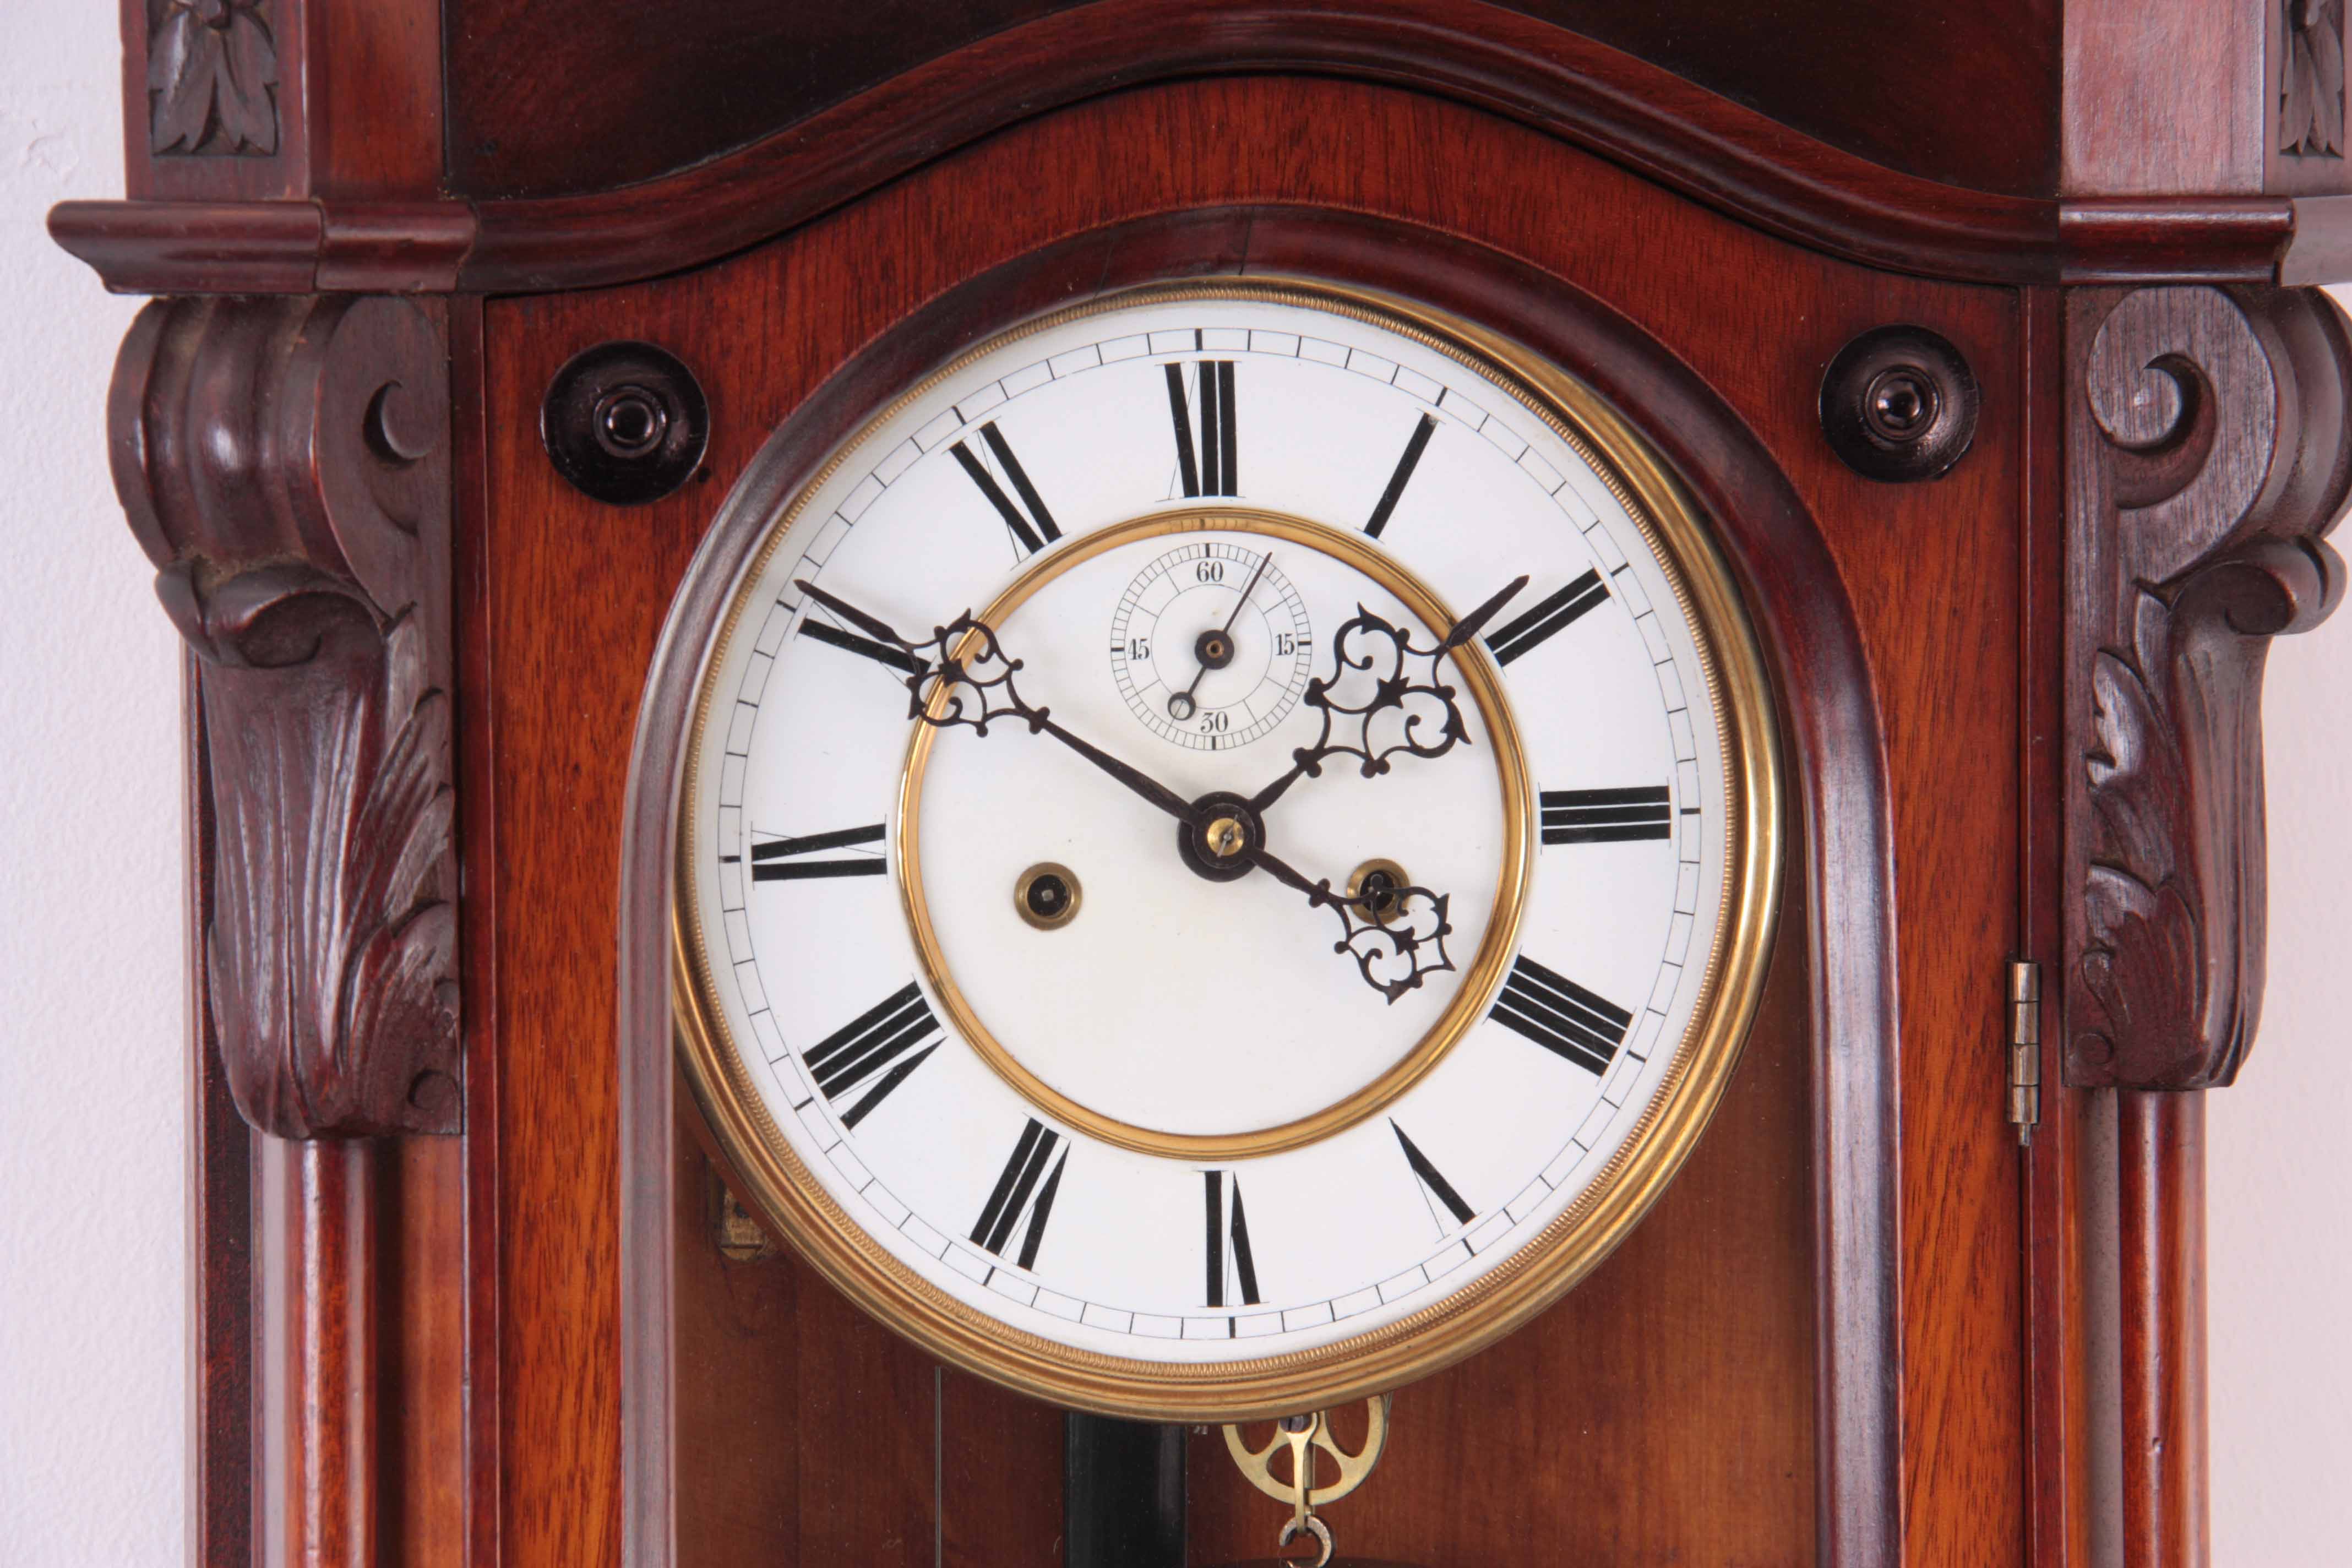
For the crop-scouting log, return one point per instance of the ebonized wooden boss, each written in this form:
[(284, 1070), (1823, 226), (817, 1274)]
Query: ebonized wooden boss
[(1977, 345)]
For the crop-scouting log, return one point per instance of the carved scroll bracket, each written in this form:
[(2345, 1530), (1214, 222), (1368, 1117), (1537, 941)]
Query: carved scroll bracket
[(2208, 454), (285, 463)]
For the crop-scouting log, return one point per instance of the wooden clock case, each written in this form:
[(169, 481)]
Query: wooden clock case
[(468, 1288)]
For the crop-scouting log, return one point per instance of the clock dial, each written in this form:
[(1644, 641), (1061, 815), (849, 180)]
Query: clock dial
[(1283, 1001)]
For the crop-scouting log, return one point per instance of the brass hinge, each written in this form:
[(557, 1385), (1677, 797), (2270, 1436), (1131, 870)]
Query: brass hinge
[(2024, 1047)]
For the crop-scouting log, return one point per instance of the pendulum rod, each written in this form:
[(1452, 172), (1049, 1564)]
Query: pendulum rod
[(1122, 1494)]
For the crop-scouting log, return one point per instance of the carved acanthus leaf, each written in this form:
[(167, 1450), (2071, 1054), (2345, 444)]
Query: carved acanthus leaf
[(2209, 456), (2311, 79), (285, 464), (212, 78)]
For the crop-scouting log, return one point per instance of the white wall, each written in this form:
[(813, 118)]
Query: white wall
[(93, 1269)]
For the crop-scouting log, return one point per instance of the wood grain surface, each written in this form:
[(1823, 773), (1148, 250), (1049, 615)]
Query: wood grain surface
[(574, 596)]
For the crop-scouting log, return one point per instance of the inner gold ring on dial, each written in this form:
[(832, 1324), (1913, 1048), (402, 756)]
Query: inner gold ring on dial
[(1480, 977)]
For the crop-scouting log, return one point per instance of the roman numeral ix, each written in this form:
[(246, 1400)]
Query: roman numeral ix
[(875, 1040), (1226, 1220), (1561, 1016), (1558, 610), (782, 859), (1606, 815), (1010, 1196), (1035, 529), (1432, 1180), (1212, 471)]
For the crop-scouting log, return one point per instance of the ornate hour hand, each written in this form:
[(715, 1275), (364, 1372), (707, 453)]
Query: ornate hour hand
[(962, 671), (1395, 934), (1403, 707)]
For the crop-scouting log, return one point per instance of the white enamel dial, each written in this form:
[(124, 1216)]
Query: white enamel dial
[(1179, 1127)]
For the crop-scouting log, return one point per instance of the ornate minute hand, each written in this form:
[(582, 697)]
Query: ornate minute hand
[(963, 660), (1371, 645)]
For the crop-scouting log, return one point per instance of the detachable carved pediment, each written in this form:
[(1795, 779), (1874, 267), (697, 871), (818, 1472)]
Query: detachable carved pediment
[(285, 464), (2209, 456)]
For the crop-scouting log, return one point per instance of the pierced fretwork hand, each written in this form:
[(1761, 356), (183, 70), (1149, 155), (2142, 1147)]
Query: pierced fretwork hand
[(964, 660), (1380, 928), (1403, 682)]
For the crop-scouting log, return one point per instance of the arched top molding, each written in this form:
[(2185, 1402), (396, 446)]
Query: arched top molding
[(1704, 146)]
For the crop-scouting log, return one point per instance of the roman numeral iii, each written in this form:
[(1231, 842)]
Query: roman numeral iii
[(786, 859), (1207, 467), (1035, 528), (1606, 815), (1011, 1197), (1226, 1220), (1558, 610), (1561, 1016), (876, 1039)]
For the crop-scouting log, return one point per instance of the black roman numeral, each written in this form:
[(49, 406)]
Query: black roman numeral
[(865, 647), (1036, 529), (1214, 471), (1436, 1183), (1547, 618), (1561, 1016), (874, 1040), (1605, 816), (1010, 1196), (1404, 475), (778, 859), (1228, 1221)]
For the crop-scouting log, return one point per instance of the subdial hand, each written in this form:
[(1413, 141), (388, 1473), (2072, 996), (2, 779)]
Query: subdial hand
[(1403, 682), (1214, 650), (961, 676)]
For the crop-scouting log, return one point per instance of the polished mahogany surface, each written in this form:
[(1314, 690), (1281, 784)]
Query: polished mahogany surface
[(1966, 95)]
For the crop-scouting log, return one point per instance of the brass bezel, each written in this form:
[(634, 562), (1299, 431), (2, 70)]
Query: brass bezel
[(1481, 977), (1501, 1298)]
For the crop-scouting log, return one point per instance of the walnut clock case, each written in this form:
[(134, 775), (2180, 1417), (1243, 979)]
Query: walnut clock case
[(925, 749)]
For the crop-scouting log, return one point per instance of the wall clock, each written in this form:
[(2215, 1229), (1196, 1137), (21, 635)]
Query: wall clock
[(793, 959), (1043, 1072)]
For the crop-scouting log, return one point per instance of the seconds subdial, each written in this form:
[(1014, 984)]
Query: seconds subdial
[(1211, 645)]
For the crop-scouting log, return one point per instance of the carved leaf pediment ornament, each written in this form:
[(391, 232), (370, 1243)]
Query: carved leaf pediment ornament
[(285, 464), (2210, 457), (212, 78), (2311, 79)]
